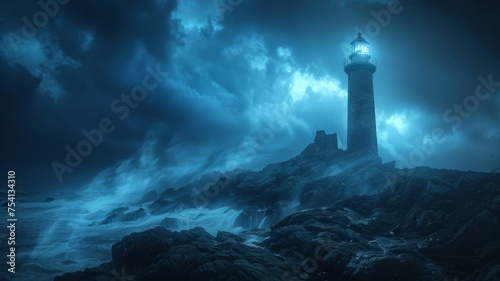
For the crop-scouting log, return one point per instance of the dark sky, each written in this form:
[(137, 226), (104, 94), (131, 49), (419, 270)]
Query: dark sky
[(238, 87)]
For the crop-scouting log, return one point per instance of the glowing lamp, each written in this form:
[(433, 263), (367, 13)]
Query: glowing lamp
[(360, 46)]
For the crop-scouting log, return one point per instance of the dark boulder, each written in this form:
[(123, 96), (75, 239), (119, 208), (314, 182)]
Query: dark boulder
[(137, 250)]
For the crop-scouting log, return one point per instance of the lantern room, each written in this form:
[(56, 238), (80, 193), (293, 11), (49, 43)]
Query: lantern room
[(360, 46)]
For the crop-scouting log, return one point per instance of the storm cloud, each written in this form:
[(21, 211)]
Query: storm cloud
[(243, 84)]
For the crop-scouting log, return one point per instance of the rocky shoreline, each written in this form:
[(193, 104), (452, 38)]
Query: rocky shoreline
[(354, 218)]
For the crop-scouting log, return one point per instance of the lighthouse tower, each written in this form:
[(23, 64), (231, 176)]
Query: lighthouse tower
[(361, 126)]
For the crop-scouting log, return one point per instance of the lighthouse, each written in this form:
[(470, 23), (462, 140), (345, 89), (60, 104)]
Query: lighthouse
[(361, 125)]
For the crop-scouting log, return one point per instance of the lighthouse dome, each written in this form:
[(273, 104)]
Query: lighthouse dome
[(360, 46)]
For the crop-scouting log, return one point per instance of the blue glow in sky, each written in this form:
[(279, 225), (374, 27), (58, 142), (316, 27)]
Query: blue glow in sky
[(246, 86)]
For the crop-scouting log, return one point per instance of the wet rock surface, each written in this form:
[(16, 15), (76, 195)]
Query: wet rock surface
[(159, 254), (327, 216), (121, 214)]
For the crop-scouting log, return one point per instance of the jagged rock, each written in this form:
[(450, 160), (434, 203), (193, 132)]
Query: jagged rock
[(356, 219), (111, 218), (103, 272), (134, 215), (169, 193), (489, 271), (396, 234), (223, 236), (138, 250), (120, 211), (430, 221), (323, 192), (158, 254), (119, 215), (148, 197), (160, 206)]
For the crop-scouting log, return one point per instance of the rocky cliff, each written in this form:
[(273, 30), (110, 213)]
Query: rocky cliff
[(326, 214)]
